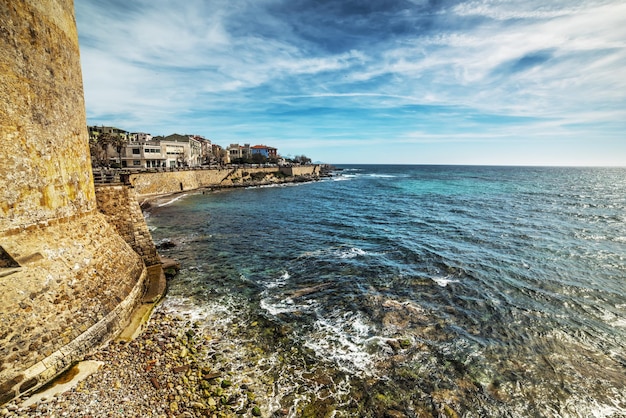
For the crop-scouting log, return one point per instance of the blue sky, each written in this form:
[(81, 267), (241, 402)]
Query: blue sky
[(380, 81)]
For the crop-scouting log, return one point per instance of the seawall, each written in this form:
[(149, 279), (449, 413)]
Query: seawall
[(119, 205), (165, 182)]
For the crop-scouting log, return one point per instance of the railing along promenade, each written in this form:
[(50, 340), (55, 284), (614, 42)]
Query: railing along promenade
[(122, 175)]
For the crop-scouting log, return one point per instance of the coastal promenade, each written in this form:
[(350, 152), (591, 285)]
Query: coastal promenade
[(154, 182)]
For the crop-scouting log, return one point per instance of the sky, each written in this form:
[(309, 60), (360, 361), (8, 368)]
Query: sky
[(498, 82)]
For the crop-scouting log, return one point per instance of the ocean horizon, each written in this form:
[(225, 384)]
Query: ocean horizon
[(412, 290)]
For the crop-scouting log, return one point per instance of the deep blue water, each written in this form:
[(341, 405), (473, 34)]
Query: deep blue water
[(422, 290)]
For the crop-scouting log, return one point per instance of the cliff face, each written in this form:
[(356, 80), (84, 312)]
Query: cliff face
[(68, 281)]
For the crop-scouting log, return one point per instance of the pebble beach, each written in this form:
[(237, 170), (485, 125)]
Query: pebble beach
[(165, 372)]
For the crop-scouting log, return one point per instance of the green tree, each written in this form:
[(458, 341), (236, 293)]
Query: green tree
[(96, 151), (118, 142), (258, 158), (302, 159), (104, 140)]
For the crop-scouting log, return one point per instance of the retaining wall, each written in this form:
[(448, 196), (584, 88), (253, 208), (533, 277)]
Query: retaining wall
[(147, 184), (119, 205)]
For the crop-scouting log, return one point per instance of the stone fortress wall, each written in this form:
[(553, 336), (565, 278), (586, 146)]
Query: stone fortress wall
[(119, 205), (75, 261), (68, 280)]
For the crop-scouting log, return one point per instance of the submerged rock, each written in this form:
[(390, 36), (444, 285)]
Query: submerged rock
[(165, 244)]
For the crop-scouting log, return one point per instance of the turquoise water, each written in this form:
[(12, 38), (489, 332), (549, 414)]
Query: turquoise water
[(422, 290)]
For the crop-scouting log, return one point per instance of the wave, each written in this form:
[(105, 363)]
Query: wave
[(350, 253), (340, 253), (277, 185), (444, 281), (343, 339), (345, 177), (276, 307), (279, 282), (382, 176), (169, 202)]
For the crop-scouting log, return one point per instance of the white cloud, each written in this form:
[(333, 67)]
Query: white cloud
[(157, 62)]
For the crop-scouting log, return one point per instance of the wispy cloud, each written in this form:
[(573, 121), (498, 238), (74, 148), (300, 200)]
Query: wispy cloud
[(304, 72)]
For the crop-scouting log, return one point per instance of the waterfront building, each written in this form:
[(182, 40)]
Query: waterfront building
[(181, 150), (106, 144), (206, 149), (236, 151), (96, 131), (145, 154), (219, 154), (264, 150), (140, 137)]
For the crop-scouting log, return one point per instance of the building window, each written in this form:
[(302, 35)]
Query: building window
[(136, 162), (136, 151)]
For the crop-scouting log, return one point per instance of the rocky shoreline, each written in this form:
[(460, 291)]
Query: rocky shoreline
[(165, 372)]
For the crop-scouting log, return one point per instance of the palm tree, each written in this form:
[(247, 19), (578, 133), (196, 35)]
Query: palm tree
[(96, 152), (116, 141), (119, 142)]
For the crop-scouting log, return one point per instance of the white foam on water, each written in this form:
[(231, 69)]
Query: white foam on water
[(345, 177), (288, 305), (273, 185), (444, 281), (341, 252), (591, 237), (216, 312), (169, 202), (277, 308), (350, 253), (279, 282), (342, 339), (382, 176), (614, 320), (360, 327), (594, 409)]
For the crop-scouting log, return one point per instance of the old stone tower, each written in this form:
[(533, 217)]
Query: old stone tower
[(68, 281)]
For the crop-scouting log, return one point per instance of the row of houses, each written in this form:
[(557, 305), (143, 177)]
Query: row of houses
[(114, 146)]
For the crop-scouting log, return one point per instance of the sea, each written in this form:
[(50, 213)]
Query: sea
[(409, 291)]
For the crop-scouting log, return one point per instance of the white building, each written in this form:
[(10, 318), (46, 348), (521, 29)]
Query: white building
[(148, 154), (141, 150), (236, 151), (140, 137)]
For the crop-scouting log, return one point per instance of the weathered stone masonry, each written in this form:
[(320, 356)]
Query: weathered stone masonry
[(119, 204), (68, 280)]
